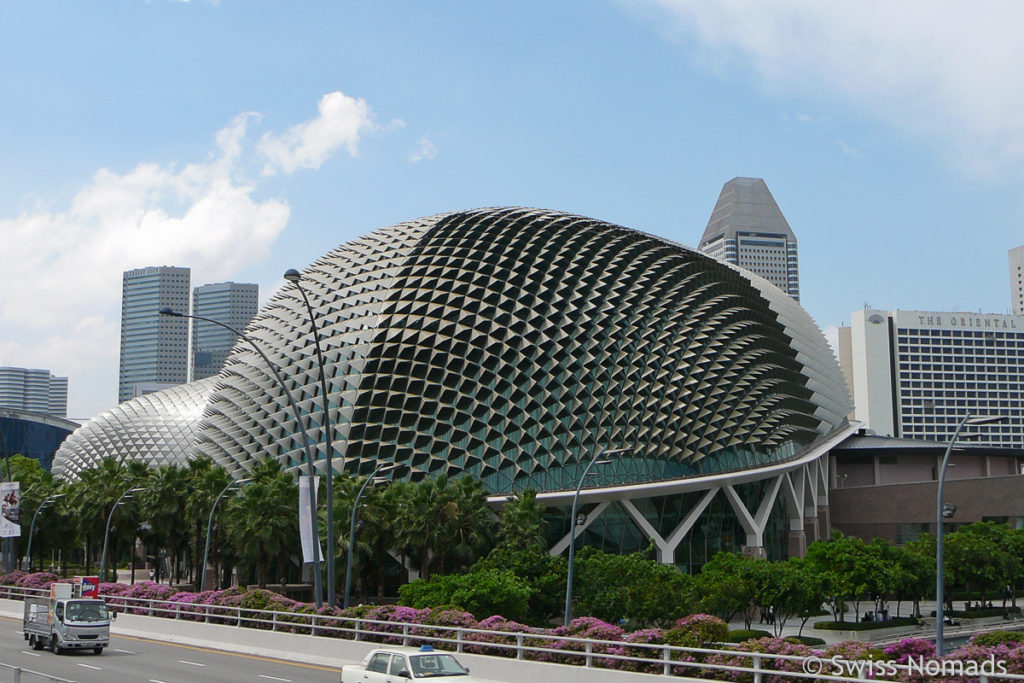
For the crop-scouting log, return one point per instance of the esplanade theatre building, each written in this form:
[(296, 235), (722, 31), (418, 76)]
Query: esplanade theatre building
[(515, 346)]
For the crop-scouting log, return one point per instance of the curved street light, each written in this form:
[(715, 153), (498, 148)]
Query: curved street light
[(939, 597), (572, 525), (293, 276), (352, 528), (106, 533), (32, 527), (311, 472), (209, 525)]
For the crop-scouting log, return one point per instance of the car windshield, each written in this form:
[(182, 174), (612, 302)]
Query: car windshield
[(86, 611), (425, 666)]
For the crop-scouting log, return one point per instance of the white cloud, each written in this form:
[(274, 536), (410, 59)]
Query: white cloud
[(850, 150), (943, 69), (60, 287), (341, 122), (62, 262), (425, 149)]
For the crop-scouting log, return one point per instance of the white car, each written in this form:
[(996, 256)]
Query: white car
[(391, 665)]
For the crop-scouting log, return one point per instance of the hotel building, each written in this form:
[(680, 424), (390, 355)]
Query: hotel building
[(917, 374)]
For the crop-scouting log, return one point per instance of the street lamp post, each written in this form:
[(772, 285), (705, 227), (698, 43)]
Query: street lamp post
[(311, 472), (572, 526), (293, 276), (32, 527), (209, 525), (352, 528), (939, 597), (106, 533)]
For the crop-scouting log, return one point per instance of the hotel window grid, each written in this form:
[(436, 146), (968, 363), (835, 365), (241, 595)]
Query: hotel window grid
[(944, 375)]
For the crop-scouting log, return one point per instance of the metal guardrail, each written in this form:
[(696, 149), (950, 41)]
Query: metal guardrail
[(18, 672), (667, 660)]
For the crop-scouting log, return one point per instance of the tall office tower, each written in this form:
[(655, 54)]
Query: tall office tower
[(154, 348), (917, 374), (1017, 280), (747, 229), (231, 303), (37, 391)]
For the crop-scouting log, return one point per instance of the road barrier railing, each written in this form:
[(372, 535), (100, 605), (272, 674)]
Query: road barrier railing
[(19, 674), (667, 660)]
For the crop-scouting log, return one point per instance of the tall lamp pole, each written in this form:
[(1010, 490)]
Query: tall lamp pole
[(209, 525), (572, 526), (106, 533), (314, 536), (293, 276), (32, 527), (939, 597), (352, 528)]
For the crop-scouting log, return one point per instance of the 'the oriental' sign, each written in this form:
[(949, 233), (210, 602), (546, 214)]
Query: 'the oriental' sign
[(969, 321)]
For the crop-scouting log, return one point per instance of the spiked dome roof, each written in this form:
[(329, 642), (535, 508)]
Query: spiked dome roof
[(156, 428), (512, 344)]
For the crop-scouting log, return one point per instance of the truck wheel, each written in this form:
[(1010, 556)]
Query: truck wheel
[(54, 647), (36, 643), (98, 650)]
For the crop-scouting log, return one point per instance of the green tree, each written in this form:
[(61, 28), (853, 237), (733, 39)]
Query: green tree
[(849, 571), (792, 589), (613, 587), (204, 482), (543, 572), (164, 506), (728, 584), (980, 557), (263, 520), (92, 498), (522, 525), (482, 593)]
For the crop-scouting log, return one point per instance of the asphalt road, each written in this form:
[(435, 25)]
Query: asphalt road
[(135, 660)]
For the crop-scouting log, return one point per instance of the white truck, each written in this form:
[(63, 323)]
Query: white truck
[(396, 665), (65, 622)]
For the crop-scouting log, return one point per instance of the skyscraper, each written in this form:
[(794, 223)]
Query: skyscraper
[(37, 391), (231, 303), (747, 229), (917, 374), (1017, 280), (154, 348)]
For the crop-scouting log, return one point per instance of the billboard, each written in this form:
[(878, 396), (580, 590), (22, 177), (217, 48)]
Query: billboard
[(10, 509)]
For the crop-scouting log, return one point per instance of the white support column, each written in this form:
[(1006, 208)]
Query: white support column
[(563, 544), (643, 523), (754, 524), (679, 533)]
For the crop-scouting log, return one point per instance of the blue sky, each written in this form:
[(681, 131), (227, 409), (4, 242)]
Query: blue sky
[(245, 138)]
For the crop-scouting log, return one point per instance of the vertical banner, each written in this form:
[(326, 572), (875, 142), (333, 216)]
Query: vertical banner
[(10, 509), (305, 514)]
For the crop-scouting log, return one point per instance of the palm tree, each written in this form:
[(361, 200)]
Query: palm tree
[(205, 481), (93, 498), (417, 520), (263, 519), (164, 506), (522, 522), (467, 524)]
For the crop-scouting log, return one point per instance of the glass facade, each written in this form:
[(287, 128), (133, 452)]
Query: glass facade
[(32, 438)]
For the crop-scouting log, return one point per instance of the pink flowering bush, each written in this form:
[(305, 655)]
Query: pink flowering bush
[(36, 580), (580, 627), (910, 647), (493, 644), (697, 630), (771, 646), (449, 618), (392, 613), (648, 636)]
